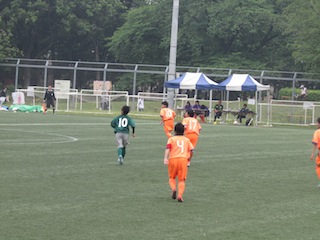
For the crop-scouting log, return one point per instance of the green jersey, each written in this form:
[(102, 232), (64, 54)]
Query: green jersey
[(218, 107), (121, 124)]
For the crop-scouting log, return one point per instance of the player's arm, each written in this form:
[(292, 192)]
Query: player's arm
[(161, 122), (191, 154), (113, 123), (313, 150), (166, 154)]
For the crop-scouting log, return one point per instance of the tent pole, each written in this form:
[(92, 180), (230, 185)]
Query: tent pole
[(256, 122), (268, 121), (210, 106)]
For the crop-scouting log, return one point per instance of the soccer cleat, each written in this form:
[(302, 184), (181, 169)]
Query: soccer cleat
[(318, 186), (174, 194), (120, 160), (180, 199), (188, 164)]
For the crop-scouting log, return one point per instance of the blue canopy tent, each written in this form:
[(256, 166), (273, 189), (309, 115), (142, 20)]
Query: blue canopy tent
[(243, 82), (193, 81)]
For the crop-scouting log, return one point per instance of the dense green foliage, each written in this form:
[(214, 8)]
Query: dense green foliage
[(250, 34), (286, 93)]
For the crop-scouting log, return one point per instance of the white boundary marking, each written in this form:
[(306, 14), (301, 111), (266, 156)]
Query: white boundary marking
[(68, 138)]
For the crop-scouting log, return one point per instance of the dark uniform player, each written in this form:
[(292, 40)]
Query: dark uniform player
[(49, 99), (218, 108), (121, 124)]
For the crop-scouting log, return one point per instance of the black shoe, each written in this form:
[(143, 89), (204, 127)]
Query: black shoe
[(174, 194)]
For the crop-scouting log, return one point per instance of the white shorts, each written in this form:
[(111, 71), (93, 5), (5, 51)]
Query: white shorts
[(122, 139)]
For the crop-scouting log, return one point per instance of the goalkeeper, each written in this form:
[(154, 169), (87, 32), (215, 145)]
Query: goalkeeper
[(49, 99)]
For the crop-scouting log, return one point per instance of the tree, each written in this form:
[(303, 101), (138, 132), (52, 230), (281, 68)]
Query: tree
[(7, 50), (303, 27), (249, 29), (88, 23), (141, 38)]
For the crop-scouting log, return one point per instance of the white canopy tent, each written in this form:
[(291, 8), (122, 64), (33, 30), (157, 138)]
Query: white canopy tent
[(244, 82), (193, 81)]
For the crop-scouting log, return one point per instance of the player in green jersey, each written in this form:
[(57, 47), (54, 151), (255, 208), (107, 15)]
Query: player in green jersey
[(121, 125)]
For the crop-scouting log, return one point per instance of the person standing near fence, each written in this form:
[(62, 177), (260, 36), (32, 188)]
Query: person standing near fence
[(167, 118), (178, 152), (316, 145), (49, 99), (121, 124), (303, 93), (3, 96)]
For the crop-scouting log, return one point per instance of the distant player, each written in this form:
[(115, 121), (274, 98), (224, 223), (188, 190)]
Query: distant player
[(167, 118), (177, 154), (192, 128), (49, 99), (316, 145), (121, 125)]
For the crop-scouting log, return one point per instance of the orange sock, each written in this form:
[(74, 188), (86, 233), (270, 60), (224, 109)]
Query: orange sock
[(169, 135), (172, 183), (181, 188), (202, 118)]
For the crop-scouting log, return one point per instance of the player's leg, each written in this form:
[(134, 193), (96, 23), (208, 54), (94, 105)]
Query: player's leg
[(119, 141), (172, 172), (193, 137), (318, 168), (182, 176), (168, 127), (125, 140), (53, 107), (47, 106), (202, 118)]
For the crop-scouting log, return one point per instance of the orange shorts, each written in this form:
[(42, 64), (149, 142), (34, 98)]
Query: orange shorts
[(178, 167), (168, 125), (193, 137)]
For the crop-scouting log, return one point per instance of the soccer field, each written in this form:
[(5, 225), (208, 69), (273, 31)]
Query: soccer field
[(59, 179)]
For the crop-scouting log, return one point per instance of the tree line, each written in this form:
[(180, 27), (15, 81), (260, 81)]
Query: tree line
[(244, 34)]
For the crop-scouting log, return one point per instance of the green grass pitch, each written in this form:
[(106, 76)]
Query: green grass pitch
[(59, 179)]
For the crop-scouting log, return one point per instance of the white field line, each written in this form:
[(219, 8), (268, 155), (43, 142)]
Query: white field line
[(68, 138)]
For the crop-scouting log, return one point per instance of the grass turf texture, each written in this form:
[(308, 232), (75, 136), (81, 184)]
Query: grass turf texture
[(59, 179)]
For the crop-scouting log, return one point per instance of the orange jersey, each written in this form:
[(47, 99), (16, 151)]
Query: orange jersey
[(191, 125), (316, 138), (167, 114), (180, 147)]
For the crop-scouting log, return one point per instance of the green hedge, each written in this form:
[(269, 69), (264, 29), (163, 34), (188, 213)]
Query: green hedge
[(313, 95)]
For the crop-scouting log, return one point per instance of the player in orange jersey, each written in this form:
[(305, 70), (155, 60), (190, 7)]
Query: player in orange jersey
[(167, 118), (178, 152), (192, 128), (316, 144)]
